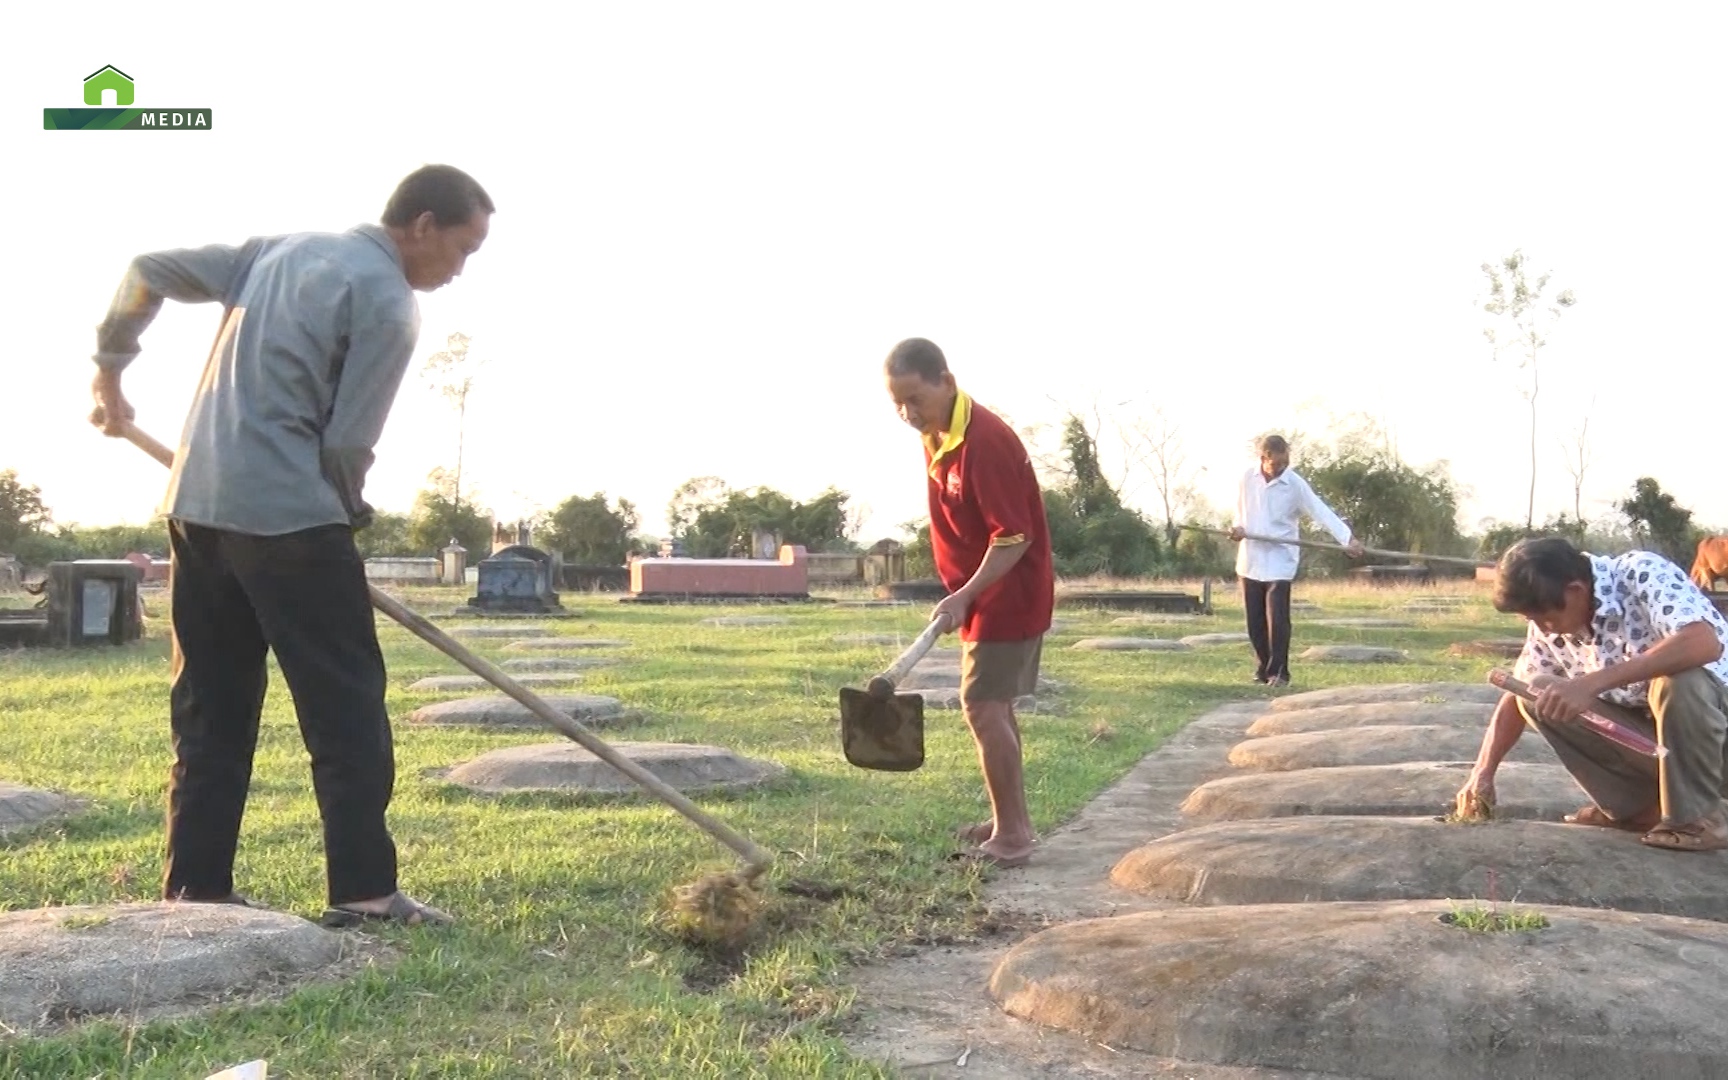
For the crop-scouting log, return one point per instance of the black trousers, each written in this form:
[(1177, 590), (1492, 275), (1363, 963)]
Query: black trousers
[(302, 596), (1268, 604)]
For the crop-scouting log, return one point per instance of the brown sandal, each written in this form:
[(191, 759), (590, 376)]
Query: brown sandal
[(403, 909), (975, 834), (1706, 835)]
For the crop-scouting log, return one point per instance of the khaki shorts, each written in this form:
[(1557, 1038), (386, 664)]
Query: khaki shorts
[(999, 670)]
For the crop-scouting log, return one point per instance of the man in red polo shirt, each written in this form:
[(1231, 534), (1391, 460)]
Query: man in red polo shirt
[(992, 550)]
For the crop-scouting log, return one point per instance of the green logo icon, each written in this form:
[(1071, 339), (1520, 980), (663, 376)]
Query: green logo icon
[(109, 78), (122, 115)]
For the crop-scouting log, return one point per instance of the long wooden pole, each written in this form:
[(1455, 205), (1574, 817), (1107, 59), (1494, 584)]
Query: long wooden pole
[(756, 858), (1323, 546)]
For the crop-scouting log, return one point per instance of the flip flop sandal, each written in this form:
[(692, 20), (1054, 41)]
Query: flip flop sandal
[(403, 909), (1695, 837), (1594, 815), (979, 855), (975, 834), (233, 898)]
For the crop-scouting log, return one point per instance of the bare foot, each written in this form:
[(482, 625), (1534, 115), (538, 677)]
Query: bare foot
[(1006, 855)]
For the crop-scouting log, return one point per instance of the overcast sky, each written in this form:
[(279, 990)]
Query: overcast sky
[(715, 219)]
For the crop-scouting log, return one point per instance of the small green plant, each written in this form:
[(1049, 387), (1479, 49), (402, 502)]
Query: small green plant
[(84, 922), (1487, 920), (1490, 919)]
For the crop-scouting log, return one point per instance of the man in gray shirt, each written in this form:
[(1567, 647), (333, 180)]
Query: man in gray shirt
[(267, 489)]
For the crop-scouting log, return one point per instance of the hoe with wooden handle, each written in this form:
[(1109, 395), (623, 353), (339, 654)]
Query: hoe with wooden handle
[(756, 859)]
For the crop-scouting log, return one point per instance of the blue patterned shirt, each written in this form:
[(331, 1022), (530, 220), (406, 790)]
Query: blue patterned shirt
[(1641, 598)]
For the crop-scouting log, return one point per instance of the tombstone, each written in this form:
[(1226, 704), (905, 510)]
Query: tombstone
[(764, 544), (516, 579), (93, 602), (455, 568), (11, 573)]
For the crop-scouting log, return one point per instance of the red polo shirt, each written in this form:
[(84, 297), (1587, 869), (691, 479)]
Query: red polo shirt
[(984, 492)]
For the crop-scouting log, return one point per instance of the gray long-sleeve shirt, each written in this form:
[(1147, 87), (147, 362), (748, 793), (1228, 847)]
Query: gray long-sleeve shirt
[(317, 333)]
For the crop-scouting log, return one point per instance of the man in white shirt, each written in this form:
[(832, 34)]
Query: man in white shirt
[(1270, 502)]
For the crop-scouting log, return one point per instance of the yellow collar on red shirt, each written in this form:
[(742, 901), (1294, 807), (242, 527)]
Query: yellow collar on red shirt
[(956, 433)]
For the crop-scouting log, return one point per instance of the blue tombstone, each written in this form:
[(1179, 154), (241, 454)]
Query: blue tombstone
[(517, 578)]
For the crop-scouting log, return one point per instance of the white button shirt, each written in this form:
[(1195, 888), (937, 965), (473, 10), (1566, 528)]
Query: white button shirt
[(1272, 508)]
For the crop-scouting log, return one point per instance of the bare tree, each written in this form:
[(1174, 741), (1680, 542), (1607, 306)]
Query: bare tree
[(1577, 448), (1155, 443), (451, 372), (1522, 322)]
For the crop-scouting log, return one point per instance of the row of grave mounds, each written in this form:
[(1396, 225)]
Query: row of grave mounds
[(1319, 911)]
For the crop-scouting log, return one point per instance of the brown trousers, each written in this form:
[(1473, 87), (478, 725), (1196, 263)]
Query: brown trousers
[(1688, 714)]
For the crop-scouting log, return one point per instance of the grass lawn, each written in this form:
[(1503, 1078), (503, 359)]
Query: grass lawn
[(561, 965)]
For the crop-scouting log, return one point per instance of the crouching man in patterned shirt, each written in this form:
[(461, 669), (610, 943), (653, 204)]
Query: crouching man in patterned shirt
[(1633, 630)]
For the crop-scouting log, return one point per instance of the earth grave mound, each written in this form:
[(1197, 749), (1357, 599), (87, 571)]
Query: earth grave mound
[(1353, 654), (1414, 789), (551, 643), (500, 710), (1364, 693), (1363, 623), (505, 631), (1385, 990), (1223, 638), (1131, 644), (1506, 648), (474, 682), (1383, 744), (148, 960), (1299, 859), (567, 767), (543, 664), (1372, 714), (23, 808)]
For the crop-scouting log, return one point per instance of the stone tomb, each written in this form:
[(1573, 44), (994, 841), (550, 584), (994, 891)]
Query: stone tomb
[(1385, 990), (517, 578), (143, 961), (1415, 789), (568, 767)]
